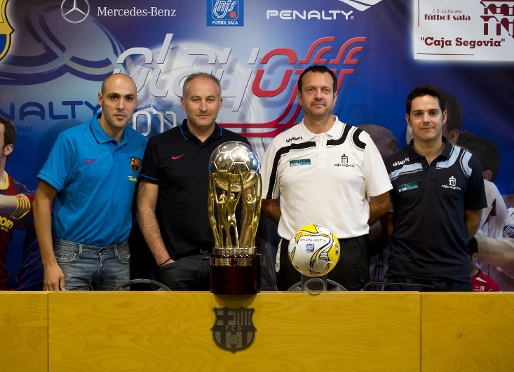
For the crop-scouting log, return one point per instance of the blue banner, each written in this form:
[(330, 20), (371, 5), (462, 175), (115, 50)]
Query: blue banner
[(54, 55)]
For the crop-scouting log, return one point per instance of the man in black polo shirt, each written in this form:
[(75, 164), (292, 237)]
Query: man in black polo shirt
[(438, 196), (173, 189)]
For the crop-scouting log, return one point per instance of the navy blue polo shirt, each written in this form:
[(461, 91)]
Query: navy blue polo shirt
[(178, 162), (430, 236)]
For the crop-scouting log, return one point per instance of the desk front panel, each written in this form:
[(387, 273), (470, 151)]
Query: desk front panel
[(157, 331), (24, 330)]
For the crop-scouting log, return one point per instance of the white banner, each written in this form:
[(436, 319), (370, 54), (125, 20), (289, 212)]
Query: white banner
[(463, 30)]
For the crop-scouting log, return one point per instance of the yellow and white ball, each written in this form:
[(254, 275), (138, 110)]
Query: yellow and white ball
[(314, 250)]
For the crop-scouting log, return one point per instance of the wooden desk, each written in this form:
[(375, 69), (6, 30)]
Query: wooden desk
[(157, 331), (24, 330), (467, 332), (338, 331)]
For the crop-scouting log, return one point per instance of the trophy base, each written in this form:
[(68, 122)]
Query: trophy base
[(235, 274)]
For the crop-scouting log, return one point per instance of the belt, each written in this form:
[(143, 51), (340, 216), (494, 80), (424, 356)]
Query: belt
[(92, 247)]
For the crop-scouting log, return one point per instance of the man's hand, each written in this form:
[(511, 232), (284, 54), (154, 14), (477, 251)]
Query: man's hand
[(53, 278)]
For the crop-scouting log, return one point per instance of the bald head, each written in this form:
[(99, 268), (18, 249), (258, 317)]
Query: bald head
[(120, 77), (118, 100)]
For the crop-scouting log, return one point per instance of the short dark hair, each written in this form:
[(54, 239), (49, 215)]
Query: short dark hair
[(9, 131), (193, 76), (425, 90), (472, 246), (383, 138), (321, 69), (485, 150), (453, 110)]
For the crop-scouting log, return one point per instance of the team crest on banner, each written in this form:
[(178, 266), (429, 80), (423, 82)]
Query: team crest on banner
[(5, 30), (233, 329), (225, 12), (135, 164)]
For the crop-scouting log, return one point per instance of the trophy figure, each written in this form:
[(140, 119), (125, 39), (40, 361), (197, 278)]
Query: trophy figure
[(234, 180)]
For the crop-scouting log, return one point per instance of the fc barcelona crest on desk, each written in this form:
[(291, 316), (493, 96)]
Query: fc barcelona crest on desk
[(233, 329)]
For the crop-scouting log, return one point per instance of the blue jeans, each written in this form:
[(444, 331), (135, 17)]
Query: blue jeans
[(86, 267)]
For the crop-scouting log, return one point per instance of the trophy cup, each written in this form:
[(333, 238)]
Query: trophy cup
[(233, 180)]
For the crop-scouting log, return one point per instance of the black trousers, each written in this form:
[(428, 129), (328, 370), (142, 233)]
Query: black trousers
[(190, 273), (351, 271)]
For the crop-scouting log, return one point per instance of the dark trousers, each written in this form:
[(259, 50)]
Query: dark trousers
[(351, 271), (190, 273)]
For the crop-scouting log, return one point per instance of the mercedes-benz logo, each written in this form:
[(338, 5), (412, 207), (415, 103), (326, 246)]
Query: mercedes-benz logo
[(77, 13)]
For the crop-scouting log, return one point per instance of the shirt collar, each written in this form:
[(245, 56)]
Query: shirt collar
[(445, 154), (334, 132), (101, 136), (447, 148), (184, 129), (5, 186)]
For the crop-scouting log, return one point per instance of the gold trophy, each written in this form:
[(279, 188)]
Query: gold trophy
[(233, 180)]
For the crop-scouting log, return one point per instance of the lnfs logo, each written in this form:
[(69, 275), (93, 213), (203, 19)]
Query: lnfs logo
[(5, 30), (225, 12), (233, 329)]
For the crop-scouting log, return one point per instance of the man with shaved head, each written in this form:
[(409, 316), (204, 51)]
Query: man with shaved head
[(89, 181)]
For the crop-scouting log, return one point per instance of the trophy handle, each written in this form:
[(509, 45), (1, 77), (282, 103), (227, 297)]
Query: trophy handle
[(252, 202), (211, 201)]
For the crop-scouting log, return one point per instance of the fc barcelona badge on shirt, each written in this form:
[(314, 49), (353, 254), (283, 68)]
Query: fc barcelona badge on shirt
[(135, 164), (233, 329)]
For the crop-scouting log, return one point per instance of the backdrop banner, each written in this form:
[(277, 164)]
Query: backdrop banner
[(54, 55)]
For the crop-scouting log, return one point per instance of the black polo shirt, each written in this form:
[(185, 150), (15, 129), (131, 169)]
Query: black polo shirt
[(178, 162), (430, 235)]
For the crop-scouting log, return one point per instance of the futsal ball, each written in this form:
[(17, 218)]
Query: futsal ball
[(314, 250), (230, 160)]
